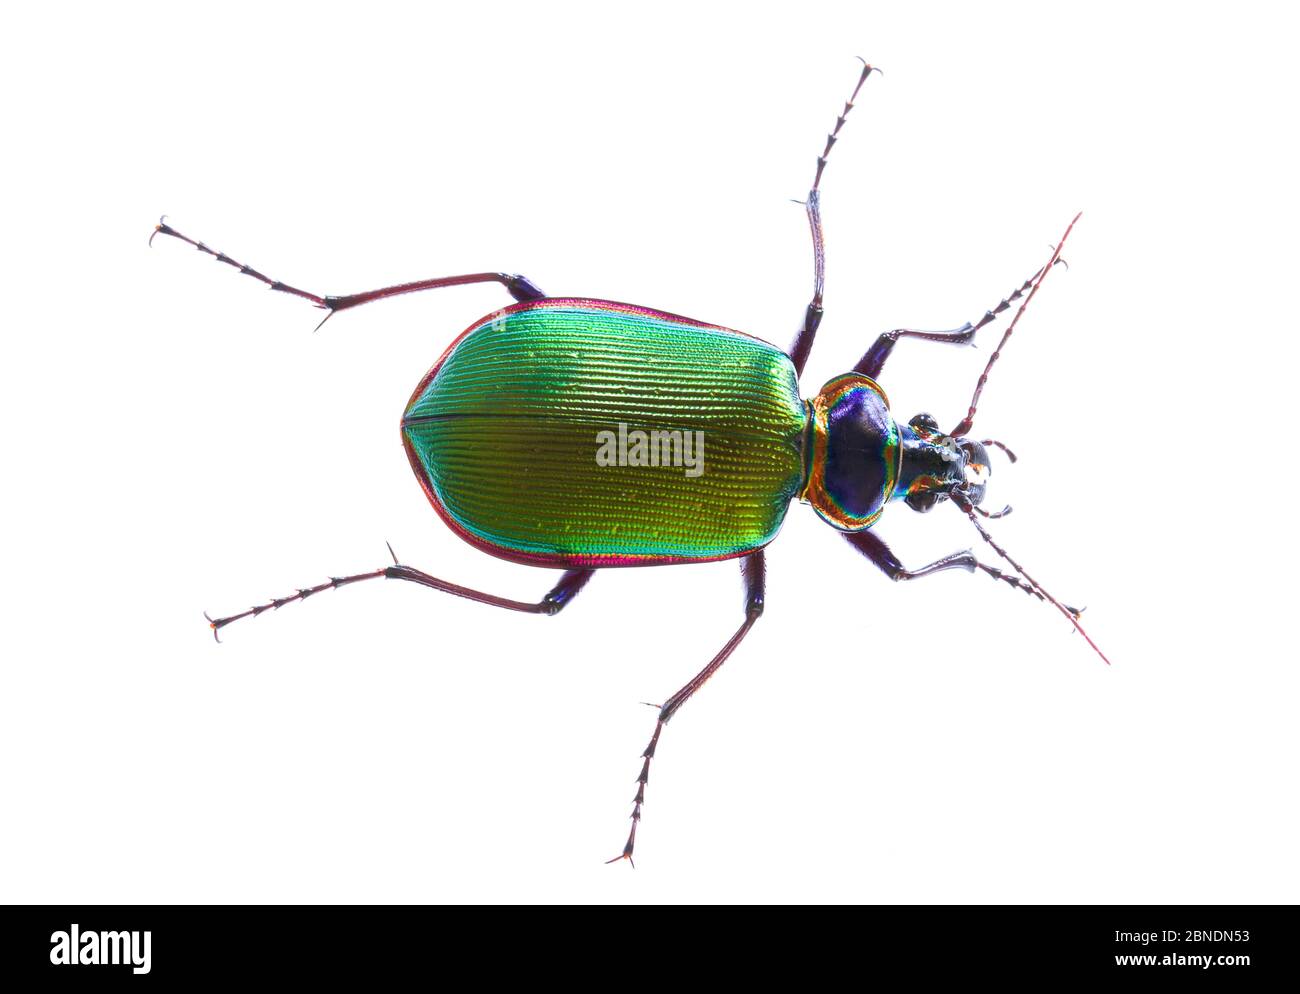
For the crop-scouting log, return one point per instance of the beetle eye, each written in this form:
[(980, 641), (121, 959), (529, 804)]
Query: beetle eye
[(924, 500), (924, 424)]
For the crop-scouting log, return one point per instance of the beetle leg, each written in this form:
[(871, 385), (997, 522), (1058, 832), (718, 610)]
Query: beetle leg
[(753, 570), (520, 287), (874, 359), (874, 548), (965, 424), (553, 603), (803, 342)]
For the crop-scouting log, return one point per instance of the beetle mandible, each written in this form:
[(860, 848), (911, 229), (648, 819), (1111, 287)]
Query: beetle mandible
[(586, 434)]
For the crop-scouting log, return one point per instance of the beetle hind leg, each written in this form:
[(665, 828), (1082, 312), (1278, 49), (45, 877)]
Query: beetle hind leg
[(519, 287), (568, 587)]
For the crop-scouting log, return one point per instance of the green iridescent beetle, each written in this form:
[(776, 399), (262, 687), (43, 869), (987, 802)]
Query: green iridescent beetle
[(585, 434)]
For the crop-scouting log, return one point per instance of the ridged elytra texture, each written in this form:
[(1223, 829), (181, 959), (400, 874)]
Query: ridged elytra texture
[(503, 434)]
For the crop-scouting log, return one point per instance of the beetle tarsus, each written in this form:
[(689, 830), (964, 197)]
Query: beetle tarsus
[(754, 573), (968, 509), (1007, 578), (803, 342), (214, 625), (639, 800), (966, 423), (160, 226), (626, 854), (873, 361), (333, 583), (165, 229)]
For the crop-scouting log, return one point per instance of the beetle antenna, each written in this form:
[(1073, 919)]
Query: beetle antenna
[(969, 421), (1011, 456), (969, 510)]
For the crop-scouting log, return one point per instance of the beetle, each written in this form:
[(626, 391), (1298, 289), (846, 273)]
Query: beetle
[(586, 434)]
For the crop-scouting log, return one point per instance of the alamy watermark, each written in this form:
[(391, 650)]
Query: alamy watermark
[(77, 948), (684, 449)]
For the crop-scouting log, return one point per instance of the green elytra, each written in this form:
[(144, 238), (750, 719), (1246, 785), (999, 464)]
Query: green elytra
[(505, 433)]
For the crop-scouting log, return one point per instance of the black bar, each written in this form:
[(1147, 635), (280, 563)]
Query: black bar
[(1230, 947)]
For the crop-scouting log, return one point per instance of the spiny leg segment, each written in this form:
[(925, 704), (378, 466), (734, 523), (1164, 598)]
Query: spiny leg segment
[(753, 571), (803, 342), (561, 594), (874, 548), (873, 360), (968, 422), (520, 287)]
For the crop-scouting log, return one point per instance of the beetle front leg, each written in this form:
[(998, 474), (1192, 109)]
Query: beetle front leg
[(874, 548), (568, 587), (753, 570), (520, 287), (874, 359)]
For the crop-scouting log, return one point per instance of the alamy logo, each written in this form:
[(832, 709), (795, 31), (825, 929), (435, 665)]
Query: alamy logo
[(684, 449), (74, 947)]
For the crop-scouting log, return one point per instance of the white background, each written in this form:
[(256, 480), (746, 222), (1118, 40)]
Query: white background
[(176, 439)]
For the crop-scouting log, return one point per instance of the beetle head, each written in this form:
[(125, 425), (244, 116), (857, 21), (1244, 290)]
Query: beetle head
[(935, 466)]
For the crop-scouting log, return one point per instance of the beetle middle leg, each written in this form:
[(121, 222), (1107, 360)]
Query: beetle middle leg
[(520, 287), (803, 342), (554, 602), (874, 360), (874, 548), (753, 570)]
